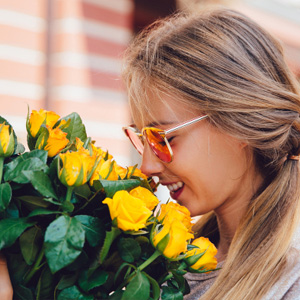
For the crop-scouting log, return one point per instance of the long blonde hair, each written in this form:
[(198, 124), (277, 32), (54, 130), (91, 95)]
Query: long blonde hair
[(222, 63)]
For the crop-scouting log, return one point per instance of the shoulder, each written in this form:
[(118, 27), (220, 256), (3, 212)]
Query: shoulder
[(288, 287), (294, 292), (200, 283)]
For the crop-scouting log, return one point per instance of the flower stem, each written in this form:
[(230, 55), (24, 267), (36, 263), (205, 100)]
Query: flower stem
[(1, 168), (87, 202), (153, 257), (146, 263), (67, 205), (69, 193), (164, 278), (35, 267)]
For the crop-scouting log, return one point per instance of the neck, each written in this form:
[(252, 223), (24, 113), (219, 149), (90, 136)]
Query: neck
[(230, 214), (227, 227)]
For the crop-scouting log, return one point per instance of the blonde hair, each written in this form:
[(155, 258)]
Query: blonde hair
[(225, 65)]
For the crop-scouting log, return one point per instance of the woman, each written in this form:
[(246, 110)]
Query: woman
[(234, 158), (6, 291)]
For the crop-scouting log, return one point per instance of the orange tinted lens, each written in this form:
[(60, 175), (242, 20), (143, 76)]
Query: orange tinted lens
[(135, 140), (158, 144)]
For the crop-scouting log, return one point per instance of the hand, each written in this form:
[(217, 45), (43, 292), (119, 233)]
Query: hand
[(6, 291)]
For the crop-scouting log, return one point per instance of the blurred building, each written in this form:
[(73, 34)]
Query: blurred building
[(65, 56), (282, 19)]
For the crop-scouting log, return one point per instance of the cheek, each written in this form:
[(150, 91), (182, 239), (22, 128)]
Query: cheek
[(210, 159)]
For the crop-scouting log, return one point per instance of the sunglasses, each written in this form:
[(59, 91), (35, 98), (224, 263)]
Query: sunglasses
[(156, 138)]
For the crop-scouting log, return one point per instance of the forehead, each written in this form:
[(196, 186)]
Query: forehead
[(162, 109)]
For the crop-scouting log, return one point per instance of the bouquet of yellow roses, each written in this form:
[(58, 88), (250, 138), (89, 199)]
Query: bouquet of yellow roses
[(76, 225)]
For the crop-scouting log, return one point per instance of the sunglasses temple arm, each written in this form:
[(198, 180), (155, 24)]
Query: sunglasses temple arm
[(185, 124)]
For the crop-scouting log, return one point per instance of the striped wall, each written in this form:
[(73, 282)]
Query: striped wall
[(65, 56)]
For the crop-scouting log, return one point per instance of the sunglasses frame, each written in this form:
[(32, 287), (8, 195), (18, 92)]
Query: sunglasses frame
[(162, 133)]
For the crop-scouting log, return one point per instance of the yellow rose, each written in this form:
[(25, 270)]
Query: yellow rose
[(78, 143), (144, 194), (103, 169), (137, 172), (77, 167), (131, 212), (120, 171), (207, 261), (174, 211), (99, 152), (7, 142), (62, 124), (56, 141), (123, 171), (38, 118), (171, 238), (106, 167)]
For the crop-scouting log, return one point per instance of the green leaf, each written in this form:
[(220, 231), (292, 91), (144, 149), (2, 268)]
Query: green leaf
[(64, 239), (67, 206), (155, 288), (94, 229), (52, 172), (19, 149), (83, 191), (117, 295), (30, 244), (109, 238), (10, 167), (79, 263), (74, 294), (18, 174), (22, 293), (11, 211), (45, 286), (11, 229), (75, 128), (129, 249), (17, 267), (67, 280), (121, 269), (31, 142), (42, 183), (180, 280), (33, 202), (41, 211), (170, 293), (5, 195), (112, 186), (138, 288), (97, 278)]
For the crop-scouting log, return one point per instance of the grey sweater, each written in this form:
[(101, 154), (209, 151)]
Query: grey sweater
[(287, 288)]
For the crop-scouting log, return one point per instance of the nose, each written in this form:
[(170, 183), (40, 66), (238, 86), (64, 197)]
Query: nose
[(151, 165)]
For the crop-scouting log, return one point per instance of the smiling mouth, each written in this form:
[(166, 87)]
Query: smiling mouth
[(175, 189), (175, 186)]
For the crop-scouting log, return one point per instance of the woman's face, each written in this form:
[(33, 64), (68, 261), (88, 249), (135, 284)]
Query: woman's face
[(209, 168)]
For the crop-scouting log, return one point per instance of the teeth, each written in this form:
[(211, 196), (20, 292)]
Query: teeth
[(175, 186)]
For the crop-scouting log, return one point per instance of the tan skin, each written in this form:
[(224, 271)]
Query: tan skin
[(6, 291), (213, 167)]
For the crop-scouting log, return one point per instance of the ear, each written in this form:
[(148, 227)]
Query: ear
[(247, 149), (243, 145)]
